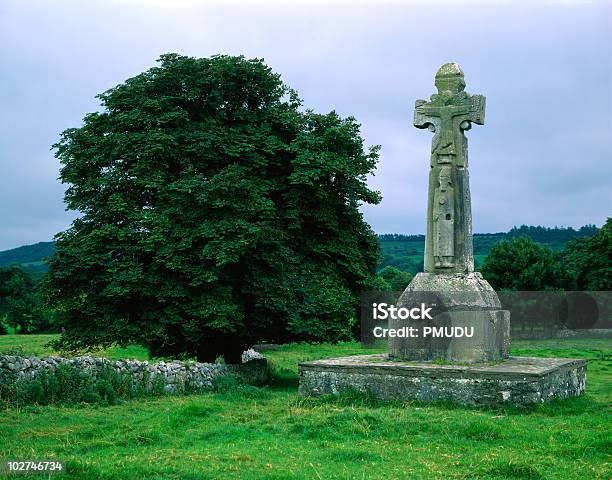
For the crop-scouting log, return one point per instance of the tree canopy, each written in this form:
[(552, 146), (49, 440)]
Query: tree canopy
[(590, 260), (397, 279), (524, 264), (214, 213)]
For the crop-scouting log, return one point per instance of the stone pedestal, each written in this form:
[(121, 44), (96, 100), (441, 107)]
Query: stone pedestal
[(460, 300), (518, 381)]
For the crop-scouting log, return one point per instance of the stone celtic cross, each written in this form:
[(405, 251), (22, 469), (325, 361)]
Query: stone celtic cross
[(449, 113)]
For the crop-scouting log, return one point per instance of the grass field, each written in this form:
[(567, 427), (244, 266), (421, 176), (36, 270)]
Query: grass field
[(273, 434), (36, 345)]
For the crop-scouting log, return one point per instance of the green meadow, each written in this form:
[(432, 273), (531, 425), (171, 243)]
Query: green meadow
[(271, 433)]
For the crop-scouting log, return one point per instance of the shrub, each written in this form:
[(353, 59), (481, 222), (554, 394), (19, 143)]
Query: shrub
[(68, 385)]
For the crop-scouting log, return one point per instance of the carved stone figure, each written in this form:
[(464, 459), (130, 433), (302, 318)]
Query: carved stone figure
[(444, 221), (449, 113)]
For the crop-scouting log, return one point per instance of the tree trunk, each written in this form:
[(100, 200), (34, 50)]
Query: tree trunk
[(233, 355)]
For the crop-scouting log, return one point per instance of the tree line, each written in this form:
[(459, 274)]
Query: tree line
[(522, 263), (517, 264), (539, 233)]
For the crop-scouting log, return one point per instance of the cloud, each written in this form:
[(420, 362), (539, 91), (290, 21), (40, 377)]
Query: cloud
[(543, 156)]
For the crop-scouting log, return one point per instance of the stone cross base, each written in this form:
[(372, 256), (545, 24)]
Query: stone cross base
[(517, 381), (463, 302), (489, 340)]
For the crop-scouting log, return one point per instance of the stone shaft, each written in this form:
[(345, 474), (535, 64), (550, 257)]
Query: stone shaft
[(449, 113)]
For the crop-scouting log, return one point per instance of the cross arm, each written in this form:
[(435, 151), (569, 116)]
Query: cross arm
[(423, 115), (477, 109)]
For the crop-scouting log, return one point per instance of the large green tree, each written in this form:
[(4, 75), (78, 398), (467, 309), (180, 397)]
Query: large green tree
[(214, 213), (524, 264), (589, 260)]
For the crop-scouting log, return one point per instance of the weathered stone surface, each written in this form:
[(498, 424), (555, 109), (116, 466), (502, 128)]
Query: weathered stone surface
[(454, 291), (489, 339), (517, 381), (461, 300), (174, 375), (449, 113)]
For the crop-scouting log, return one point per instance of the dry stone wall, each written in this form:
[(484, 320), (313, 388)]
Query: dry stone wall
[(175, 376)]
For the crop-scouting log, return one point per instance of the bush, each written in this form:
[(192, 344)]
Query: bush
[(589, 260), (68, 385), (226, 383), (522, 264), (397, 279)]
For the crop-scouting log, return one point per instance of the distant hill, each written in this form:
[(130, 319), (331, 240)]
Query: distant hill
[(402, 251), (31, 256)]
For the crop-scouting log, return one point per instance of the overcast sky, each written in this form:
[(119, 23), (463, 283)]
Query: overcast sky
[(543, 157)]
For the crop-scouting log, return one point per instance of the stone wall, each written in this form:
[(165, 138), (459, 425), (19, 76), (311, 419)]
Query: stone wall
[(175, 376)]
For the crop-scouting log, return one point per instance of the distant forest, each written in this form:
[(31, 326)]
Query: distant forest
[(402, 251), (539, 234), (406, 251), (31, 256)]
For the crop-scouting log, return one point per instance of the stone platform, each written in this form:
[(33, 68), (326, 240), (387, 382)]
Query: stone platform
[(516, 381)]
